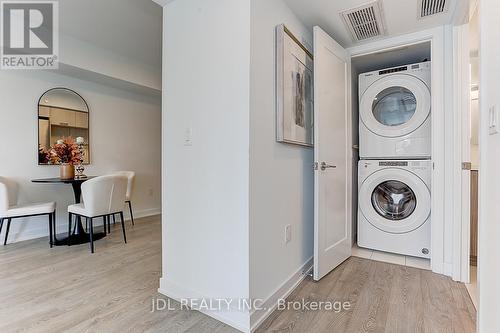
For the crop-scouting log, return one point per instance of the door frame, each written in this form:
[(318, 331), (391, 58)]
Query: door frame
[(440, 68), (461, 153)]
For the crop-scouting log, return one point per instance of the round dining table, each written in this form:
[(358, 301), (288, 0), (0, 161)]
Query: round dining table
[(78, 236)]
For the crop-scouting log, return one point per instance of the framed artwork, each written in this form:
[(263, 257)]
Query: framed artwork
[(294, 90)]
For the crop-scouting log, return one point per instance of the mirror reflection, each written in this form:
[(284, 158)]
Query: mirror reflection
[(62, 114)]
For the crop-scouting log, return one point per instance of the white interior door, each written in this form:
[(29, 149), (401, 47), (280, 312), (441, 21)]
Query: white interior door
[(332, 154)]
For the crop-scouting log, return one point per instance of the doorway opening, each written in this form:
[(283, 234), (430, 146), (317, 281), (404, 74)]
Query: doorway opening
[(411, 62)]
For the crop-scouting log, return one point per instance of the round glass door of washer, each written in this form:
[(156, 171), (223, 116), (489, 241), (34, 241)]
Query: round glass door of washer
[(394, 200)]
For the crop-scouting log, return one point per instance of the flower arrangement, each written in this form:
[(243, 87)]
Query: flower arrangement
[(43, 155), (65, 151)]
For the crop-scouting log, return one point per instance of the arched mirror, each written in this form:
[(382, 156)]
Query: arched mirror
[(62, 115)]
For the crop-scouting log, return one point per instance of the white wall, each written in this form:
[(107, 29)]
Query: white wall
[(489, 182), (220, 198), (206, 185), (125, 134), (86, 56), (281, 175)]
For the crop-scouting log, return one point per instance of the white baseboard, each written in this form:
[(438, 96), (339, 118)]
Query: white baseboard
[(447, 269), (245, 322), (27, 232), (234, 318), (142, 213), (257, 317)]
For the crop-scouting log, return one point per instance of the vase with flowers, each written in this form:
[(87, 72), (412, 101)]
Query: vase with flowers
[(67, 154), (43, 155)]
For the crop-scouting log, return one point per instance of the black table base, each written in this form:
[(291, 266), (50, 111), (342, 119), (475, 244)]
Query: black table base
[(79, 235), (76, 239)]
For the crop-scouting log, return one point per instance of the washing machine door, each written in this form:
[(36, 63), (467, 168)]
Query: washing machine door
[(395, 105), (395, 200)]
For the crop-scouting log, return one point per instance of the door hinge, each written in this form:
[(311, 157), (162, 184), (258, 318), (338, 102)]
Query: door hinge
[(315, 166), (466, 165)]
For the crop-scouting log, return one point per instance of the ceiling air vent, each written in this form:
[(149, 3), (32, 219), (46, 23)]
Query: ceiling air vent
[(365, 22), (431, 7)]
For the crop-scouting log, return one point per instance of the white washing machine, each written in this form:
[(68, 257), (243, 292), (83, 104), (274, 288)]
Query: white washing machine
[(394, 113), (394, 206)]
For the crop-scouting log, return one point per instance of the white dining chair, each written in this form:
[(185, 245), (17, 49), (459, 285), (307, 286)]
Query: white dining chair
[(130, 187), (10, 209), (102, 197)]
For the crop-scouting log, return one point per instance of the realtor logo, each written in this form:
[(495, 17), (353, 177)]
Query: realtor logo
[(29, 35)]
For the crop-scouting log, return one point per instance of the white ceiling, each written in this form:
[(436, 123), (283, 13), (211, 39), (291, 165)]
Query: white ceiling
[(132, 28), (401, 16)]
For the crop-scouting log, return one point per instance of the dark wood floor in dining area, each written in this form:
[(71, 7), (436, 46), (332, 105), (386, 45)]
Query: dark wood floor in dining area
[(66, 289)]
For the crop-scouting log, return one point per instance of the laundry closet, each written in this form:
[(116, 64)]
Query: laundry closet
[(400, 136), (391, 126)]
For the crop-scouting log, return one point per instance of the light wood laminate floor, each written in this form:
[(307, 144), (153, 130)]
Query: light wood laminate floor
[(66, 289), (384, 298)]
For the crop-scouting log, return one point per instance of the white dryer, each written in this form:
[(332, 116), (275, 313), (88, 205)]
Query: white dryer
[(394, 206), (394, 113)]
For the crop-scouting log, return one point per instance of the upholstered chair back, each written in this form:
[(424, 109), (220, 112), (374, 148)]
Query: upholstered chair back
[(104, 195), (8, 194), (130, 185)]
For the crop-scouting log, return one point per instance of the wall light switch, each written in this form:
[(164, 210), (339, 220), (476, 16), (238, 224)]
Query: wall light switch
[(493, 120), (288, 233), (188, 136)]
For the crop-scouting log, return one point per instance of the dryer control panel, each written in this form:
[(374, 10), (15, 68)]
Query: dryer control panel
[(393, 163)]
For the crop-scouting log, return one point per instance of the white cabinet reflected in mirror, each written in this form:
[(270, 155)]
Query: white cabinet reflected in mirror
[(62, 115)]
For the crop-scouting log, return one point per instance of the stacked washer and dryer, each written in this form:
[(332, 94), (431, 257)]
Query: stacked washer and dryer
[(394, 202)]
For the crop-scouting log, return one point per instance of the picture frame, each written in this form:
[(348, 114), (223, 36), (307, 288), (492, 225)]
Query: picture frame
[(294, 90)]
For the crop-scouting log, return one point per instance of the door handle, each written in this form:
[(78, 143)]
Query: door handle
[(325, 166)]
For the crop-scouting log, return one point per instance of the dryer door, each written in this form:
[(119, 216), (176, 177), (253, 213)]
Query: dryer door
[(395, 200), (395, 105)]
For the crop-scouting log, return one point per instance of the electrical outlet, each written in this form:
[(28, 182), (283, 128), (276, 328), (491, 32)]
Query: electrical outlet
[(288, 234)]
